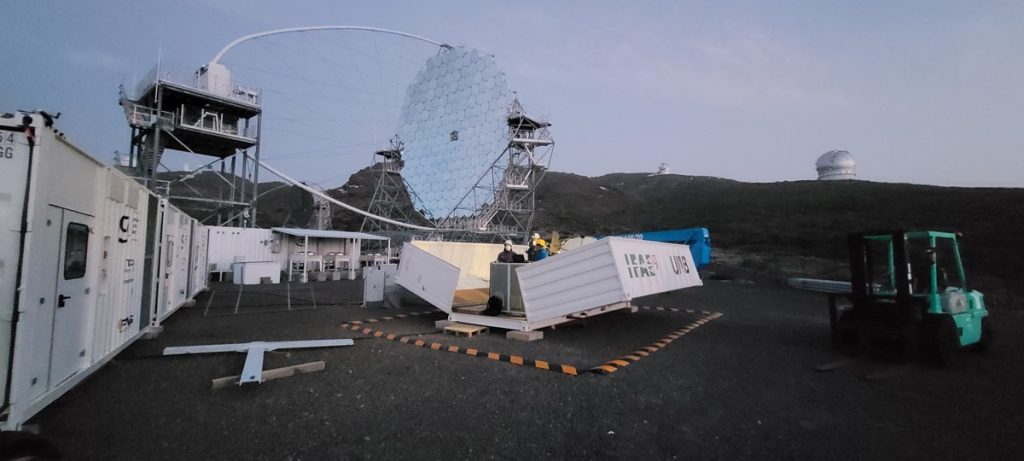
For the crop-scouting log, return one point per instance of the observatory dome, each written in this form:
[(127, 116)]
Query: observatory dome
[(836, 164)]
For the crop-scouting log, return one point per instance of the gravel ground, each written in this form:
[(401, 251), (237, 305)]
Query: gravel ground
[(741, 386)]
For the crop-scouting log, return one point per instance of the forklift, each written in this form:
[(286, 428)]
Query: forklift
[(909, 288)]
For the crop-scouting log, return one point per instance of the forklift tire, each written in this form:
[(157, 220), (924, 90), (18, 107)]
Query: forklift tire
[(940, 338), (984, 344)]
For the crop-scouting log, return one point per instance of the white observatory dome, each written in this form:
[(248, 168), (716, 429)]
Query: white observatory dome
[(836, 164)]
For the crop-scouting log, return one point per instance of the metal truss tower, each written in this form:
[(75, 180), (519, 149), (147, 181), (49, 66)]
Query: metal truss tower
[(501, 205), (391, 197), (203, 114), (321, 218)]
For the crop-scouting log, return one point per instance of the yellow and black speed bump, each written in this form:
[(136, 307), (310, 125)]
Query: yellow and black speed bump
[(390, 317), (606, 368), (614, 365), (676, 309), (496, 356)]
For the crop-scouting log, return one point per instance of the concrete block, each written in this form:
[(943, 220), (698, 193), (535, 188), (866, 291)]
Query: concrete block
[(443, 323), (525, 336)]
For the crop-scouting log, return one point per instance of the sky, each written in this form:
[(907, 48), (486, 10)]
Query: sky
[(918, 92)]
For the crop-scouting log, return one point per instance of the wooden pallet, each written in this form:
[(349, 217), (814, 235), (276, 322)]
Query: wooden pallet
[(462, 329), (276, 373)]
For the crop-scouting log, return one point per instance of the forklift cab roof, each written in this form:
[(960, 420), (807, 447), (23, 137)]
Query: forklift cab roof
[(895, 263)]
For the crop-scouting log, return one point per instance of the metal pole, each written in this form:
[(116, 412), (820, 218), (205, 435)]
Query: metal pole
[(132, 162), (353, 257), (220, 193), (234, 181), (305, 257), (256, 168), (150, 165), (241, 190)]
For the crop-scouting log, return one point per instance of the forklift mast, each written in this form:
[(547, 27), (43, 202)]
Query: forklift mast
[(864, 263), (911, 284)]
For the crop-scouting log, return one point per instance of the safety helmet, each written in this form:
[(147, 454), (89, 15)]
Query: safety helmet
[(536, 236), (542, 243)]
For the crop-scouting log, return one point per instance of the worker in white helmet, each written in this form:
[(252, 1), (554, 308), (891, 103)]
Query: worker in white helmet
[(507, 255), (531, 247)]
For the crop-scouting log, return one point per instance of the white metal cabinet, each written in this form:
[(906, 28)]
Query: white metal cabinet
[(428, 277)]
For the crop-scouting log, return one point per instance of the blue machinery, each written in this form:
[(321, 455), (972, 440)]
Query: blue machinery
[(697, 238)]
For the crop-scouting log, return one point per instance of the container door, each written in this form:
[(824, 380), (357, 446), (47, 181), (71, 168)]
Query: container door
[(181, 264), (69, 320), (167, 274), (429, 277)]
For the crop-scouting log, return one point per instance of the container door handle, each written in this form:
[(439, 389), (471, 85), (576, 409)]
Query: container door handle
[(61, 299)]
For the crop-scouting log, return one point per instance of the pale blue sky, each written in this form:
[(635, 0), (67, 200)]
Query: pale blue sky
[(922, 92)]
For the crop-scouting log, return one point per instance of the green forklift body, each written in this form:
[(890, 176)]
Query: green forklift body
[(901, 278)]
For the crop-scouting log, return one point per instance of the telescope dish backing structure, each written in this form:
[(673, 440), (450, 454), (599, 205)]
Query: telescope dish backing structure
[(469, 155)]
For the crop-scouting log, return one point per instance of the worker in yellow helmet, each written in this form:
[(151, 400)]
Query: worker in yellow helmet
[(540, 251), (531, 247)]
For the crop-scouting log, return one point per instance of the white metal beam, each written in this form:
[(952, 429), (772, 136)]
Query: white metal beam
[(216, 59), (242, 347), (252, 371), (338, 202)]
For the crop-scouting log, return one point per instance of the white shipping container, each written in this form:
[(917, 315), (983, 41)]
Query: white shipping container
[(592, 279), (75, 284), (14, 153), (611, 270), (227, 245), (14, 157), (120, 285)]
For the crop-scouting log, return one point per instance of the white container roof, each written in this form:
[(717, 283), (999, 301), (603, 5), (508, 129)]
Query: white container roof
[(326, 234)]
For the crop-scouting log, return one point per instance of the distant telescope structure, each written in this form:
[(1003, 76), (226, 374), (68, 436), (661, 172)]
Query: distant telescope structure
[(836, 164), (664, 169)]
